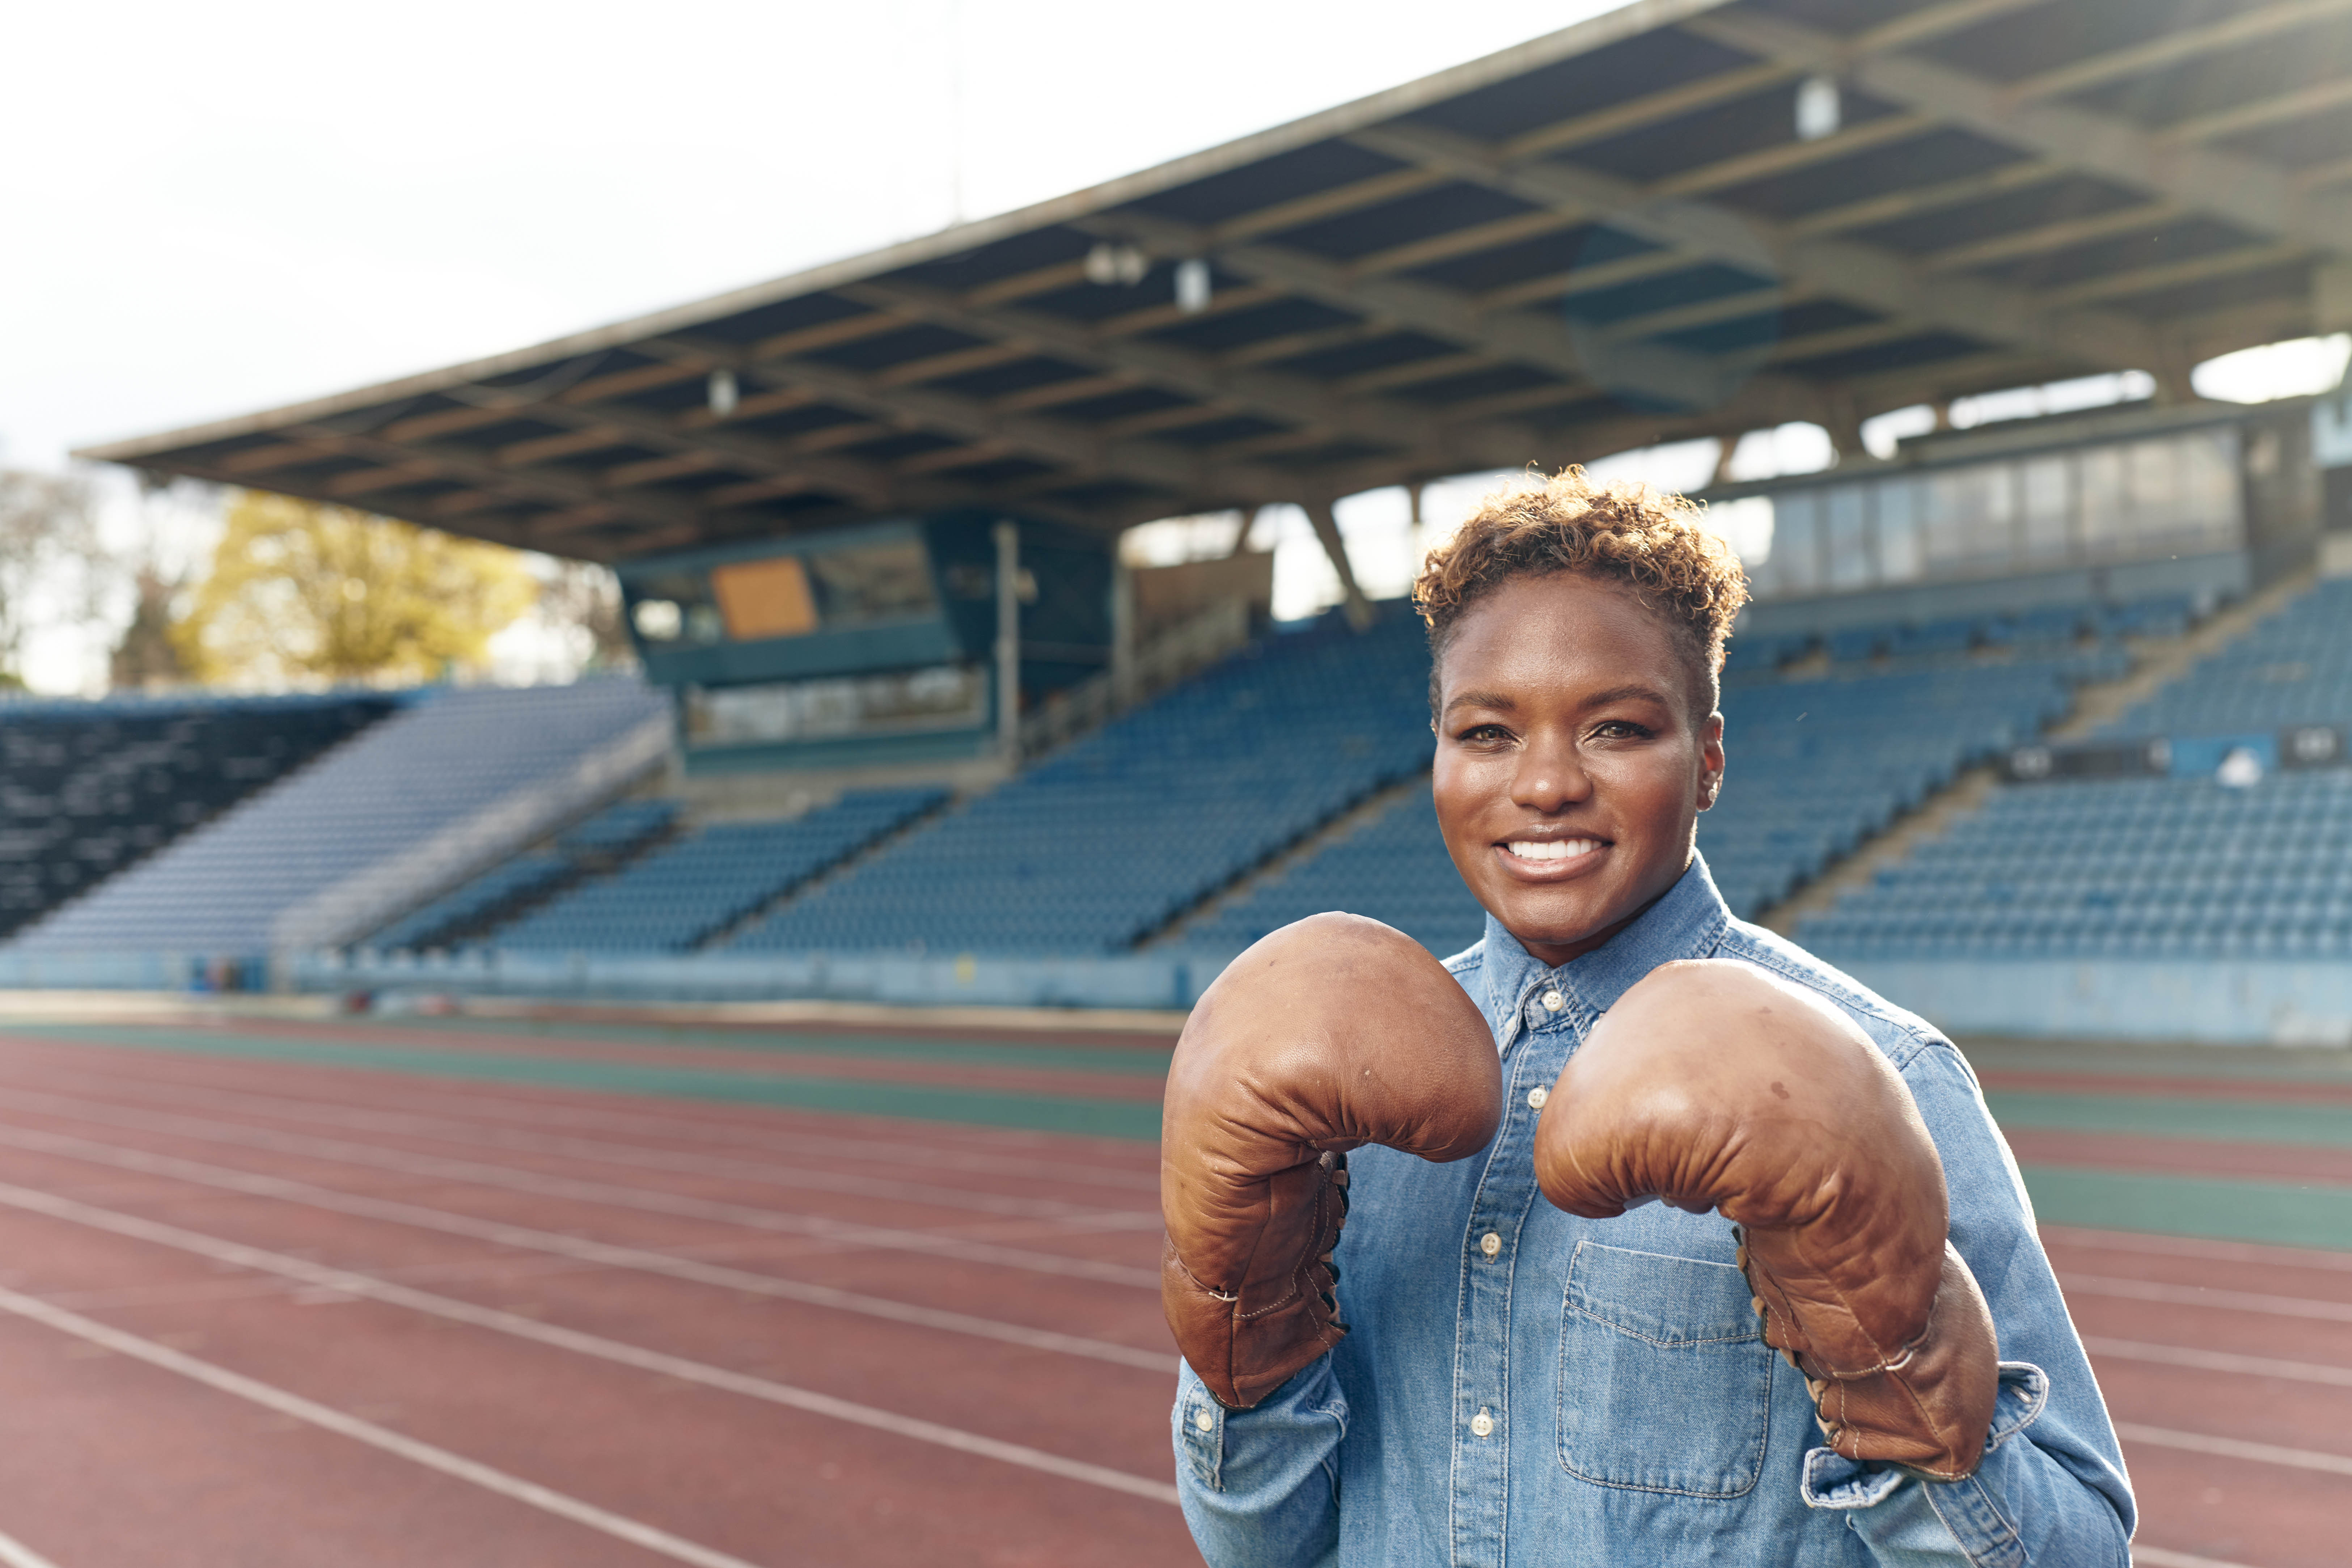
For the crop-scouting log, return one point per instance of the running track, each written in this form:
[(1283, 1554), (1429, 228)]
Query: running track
[(292, 1293)]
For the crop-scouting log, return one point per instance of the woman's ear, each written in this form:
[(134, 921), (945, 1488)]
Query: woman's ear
[(1710, 760)]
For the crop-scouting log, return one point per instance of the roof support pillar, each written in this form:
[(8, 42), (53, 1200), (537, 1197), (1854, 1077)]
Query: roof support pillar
[(1358, 608)]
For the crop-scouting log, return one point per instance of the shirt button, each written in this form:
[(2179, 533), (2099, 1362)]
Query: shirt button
[(1482, 1425), (1537, 1096), (1553, 1001), (1204, 1422), (1490, 1244)]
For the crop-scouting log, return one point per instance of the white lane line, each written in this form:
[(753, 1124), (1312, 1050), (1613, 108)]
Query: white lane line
[(2235, 1448), (2159, 1557), (15, 1553), (352, 1283), (634, 1531), (2218, 1360), (582, 1248), (2197, 1246), (2206, 1296), (654, 1201), (998, 1204)]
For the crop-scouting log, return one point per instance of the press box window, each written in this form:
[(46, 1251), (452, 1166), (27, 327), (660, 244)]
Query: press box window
[(944, 696)]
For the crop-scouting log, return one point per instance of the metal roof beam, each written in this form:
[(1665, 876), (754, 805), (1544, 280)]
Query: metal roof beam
[(2252, 195), (1510, 338), (1881, 279), (1286, 398), (971, 419)]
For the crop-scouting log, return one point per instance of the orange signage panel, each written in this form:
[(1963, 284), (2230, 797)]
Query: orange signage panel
[(767, 598)]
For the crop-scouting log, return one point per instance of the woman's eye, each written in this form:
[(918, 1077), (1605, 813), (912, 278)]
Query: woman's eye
[(1621, 729), (1484, 732)]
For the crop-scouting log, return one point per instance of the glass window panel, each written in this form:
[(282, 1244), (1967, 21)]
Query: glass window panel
[(671, 607), (2099, 470), (1898, 530), (2046, 507), (2151, 486), (1846, 533), (1796, 546), (944, 696), (2211, 500), (873, 582)]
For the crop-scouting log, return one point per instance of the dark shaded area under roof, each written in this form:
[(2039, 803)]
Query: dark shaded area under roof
[(1607, 236)]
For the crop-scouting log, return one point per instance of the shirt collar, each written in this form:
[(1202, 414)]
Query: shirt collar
[(1687, 922)]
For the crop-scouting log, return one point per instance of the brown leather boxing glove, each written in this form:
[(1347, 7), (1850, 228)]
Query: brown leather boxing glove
[(1713, 1085), (1327, 1035)]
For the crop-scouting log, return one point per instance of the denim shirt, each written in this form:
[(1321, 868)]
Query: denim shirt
[(1522, 1386)]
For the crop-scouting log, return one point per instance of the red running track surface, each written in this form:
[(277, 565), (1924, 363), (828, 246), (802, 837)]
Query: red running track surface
[(264, 1313)]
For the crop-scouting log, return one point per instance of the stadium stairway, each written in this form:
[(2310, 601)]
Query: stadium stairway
[(2157, 662), (2212, 898), (418, 803)]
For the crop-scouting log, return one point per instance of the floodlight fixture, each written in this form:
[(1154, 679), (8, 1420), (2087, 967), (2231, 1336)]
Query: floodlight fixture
[(723, 394), (1107, 264), (1818, 111), (1192, 286)]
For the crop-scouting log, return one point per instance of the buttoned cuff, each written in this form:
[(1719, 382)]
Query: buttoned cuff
[(1833, 1482)]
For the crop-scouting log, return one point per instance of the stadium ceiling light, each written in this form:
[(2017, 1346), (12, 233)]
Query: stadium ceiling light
[(722, 392), (1107, 264), (1818, 111), (1192, 286)]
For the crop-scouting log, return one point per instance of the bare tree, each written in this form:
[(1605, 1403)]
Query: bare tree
[(586, 596), (49, 552)]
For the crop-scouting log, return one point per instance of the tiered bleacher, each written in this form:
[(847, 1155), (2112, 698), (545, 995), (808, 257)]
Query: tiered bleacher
[(1816, 766), (1108, 840), (502, 891), (86, 788), (1393, 868), (685, 892), (2183, 866), (443, 763)]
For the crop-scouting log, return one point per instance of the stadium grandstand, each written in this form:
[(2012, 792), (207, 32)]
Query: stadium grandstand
[(903, 697)]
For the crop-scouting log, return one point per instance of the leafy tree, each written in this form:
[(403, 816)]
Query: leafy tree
[(300, 591)]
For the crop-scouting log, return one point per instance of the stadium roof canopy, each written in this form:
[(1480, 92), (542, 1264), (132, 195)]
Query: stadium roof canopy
[(1685, 217)]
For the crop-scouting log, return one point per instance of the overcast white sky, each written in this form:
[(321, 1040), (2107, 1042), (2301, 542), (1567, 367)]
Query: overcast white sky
[(216, 208)]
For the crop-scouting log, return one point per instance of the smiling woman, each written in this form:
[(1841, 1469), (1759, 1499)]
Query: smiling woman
[(1578, 631)]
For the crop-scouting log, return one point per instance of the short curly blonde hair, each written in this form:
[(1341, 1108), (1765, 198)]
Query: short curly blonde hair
[(1652, 542)]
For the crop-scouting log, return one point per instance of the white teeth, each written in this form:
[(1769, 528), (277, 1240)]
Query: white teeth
[(1552, 848)]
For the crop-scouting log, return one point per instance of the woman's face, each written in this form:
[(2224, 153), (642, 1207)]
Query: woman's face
[(1572, 759)]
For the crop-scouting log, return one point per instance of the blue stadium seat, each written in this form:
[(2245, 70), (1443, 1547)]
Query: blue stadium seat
[(1106, 841), (682, 893)]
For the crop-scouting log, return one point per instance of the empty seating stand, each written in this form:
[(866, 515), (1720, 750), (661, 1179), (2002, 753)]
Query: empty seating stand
[(2178, 866), (437, 764), (86, 788), (1393, 868), (1106, 842), (683, 893), (1816, 767), (2152, 868)]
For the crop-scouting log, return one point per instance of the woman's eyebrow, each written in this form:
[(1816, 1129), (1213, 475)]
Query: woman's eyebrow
[(1483, 699), (1624, 693)]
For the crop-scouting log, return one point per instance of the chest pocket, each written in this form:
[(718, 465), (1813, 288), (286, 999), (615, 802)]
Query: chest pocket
[(1665, 1383)]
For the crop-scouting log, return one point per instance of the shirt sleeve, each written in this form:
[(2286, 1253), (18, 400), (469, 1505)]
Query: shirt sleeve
[(1260, 1488), (2052, 1487)]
